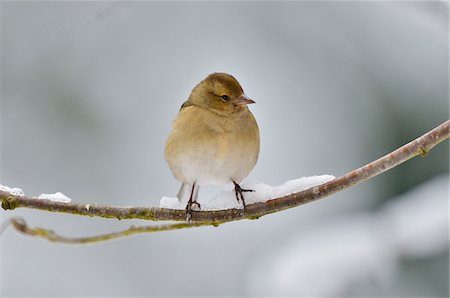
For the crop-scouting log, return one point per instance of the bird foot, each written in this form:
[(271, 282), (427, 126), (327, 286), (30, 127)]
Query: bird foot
[(238, 190), (191, 206)]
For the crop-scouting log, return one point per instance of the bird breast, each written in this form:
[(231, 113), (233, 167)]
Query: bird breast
[(208, 148)]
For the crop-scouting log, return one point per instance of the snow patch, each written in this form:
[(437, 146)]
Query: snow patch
[(12, 190), (55, 197), (170, 202), (226, 199)]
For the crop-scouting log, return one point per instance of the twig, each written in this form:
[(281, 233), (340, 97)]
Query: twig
[(21, 226), (420, 146)]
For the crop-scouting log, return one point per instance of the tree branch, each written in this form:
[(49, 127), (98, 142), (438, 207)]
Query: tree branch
[(21, 226), (420, 146)]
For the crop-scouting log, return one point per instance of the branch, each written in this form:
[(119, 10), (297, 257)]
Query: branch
[(21, 226), (420, 146)]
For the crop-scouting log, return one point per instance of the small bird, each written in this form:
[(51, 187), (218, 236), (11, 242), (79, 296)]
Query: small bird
[(214, 139)]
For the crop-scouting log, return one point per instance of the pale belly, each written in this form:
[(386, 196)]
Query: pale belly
[(215, 164), (197, 151)]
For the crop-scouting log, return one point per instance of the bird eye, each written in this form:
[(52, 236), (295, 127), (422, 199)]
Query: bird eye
[(225, 97)]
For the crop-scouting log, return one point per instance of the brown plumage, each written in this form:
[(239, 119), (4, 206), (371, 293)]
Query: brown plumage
[(214, 139)]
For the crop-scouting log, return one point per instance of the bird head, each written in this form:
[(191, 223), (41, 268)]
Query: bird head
[(220, 92)]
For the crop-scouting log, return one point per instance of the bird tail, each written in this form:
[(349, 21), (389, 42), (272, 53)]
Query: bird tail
[(183, 188), (182, 191)]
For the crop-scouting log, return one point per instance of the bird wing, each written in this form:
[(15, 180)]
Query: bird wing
[(185, 104)]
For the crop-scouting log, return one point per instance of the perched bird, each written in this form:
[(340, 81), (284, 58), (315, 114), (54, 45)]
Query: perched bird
[(214, 138)]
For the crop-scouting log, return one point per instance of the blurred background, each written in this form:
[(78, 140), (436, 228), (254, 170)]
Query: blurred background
[(89, 90)]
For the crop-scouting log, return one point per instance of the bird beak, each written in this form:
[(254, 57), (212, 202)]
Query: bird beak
[(243, 100)]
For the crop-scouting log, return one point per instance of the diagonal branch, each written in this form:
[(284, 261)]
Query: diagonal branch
[(419, 146)]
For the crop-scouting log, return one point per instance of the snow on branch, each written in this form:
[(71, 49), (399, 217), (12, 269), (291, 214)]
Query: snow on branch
[(261, 206)]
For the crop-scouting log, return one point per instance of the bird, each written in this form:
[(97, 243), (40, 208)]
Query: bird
[(214, 139)]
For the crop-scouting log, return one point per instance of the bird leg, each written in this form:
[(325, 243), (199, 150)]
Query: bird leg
[(192, 202), (238, 191)]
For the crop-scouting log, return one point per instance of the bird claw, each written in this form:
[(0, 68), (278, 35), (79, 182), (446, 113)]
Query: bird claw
[(238, 191), (197, 206), (191, 206), (189, 215)]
